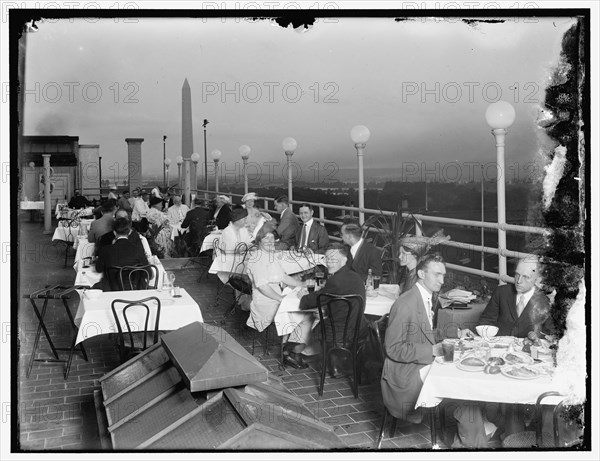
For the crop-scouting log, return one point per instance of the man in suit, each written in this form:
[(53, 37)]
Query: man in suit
[(78, 201), (288, 224), (411, 344), (520, 308), (311, 235), (109, 237), (197, 220), (363, 255), (221, 212), (123, 252), (342, 281), (104, 224)]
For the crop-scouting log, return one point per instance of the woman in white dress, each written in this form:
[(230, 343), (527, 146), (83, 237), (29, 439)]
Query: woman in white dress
[(268, 280)]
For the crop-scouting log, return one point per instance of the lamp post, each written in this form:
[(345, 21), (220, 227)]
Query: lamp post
[(360, 134), (482, 219), (205, 161), (289, 146), (216, 156), (195, 158), (47, 192), (499, 116), (167, 164), (179, 160), (245, 154), (164, 158)]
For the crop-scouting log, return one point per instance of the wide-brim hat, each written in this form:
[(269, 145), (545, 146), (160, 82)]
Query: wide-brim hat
[(249, 196), (419, 245), (113, 188), (238, 213), (155, 200), (225, 198)]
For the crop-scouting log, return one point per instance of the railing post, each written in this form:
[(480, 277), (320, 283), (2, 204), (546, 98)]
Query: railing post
[(321, 212)]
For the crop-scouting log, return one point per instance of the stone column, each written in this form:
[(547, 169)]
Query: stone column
[(134, 159)]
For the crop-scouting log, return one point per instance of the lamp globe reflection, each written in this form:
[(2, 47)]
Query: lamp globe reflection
[(289, 144), (244, 151), (360, 134), (500, 114)]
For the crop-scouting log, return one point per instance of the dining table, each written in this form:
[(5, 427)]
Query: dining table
[(453, 380), (178, 231), (95, 317), (289, 313), (71, 231), (293, 262)]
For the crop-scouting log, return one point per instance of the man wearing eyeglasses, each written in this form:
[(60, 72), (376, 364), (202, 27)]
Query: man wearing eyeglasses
[(520, 308)]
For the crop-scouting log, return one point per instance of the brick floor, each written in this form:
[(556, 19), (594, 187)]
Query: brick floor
[(58, 414)]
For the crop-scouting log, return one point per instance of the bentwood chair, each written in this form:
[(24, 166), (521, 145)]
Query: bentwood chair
[(237, 280), (127, 278), (71, 228), (339, 311), (130, 343), (538, 438)]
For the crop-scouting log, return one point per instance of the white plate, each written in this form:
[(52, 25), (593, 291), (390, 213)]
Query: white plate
[(507, 370), (524, 358)]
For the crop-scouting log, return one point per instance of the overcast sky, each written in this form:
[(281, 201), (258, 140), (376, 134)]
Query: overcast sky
[(420, 86)]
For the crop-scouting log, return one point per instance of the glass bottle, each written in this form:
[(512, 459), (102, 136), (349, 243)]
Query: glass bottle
[(369, 283)]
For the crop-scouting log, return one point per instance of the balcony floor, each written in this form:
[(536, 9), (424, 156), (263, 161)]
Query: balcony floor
[(59, 414)]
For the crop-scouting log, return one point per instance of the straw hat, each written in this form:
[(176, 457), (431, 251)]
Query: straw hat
[(249, 196), (420, 245)]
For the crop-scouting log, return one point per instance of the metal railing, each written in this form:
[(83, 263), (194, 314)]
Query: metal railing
[(422, 218)]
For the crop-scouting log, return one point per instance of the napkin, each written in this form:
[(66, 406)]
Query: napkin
[(457, 295)]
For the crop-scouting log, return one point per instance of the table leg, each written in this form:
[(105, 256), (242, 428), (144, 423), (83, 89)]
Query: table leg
[(72, 349), (433, 428), (41, 326)]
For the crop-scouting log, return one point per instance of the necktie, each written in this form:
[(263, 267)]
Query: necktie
[(303, 236), (429, 312), (520, 304)]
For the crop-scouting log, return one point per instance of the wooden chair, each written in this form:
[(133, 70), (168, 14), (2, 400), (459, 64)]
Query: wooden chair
[(236, 280), (138, 277), (69, 225), (126, 351), (127, 278), (347, 348), (538, 438)]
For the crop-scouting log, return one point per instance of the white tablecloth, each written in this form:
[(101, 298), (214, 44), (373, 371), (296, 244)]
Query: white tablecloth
[(208, 242), (445, 380), (94, 316), (29, 205), (71, 233), (86, 249), (177, 230), (289, 315), (292, 262), (71, 212)]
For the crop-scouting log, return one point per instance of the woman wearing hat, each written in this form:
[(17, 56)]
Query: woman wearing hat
[(159, 227), (232, 236), (221, 212), (412, 250), (256, 218), (268, 278)]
